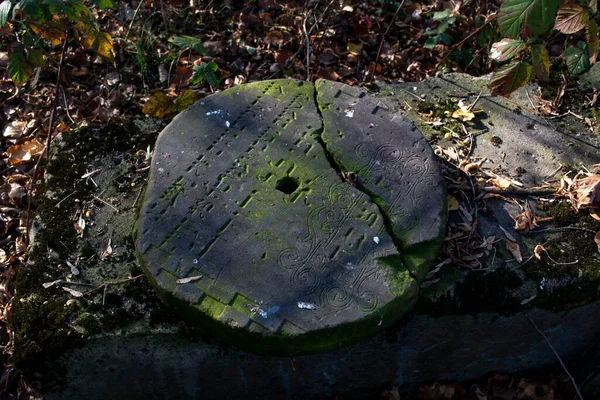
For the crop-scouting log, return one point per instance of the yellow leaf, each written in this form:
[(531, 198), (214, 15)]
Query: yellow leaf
[(452, 203), (463, 113), (354, 48), (98, 41), (159, 105), (24, 152)]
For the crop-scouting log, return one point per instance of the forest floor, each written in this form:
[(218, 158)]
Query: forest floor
[(149, 74)]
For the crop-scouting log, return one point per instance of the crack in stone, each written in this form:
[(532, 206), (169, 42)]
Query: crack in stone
[(387, 222)]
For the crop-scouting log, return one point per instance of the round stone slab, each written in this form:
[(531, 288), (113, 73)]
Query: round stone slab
[(257, 229)]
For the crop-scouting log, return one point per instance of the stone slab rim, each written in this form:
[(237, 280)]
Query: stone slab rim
[(334, 274)]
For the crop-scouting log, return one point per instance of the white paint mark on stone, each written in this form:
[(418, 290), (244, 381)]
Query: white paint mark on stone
[(543, 283), (216, 112), (306, 306), (195, 261), (349, 113), (227, 124), (376, 239)]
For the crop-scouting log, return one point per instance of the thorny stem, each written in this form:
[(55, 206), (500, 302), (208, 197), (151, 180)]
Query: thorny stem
[(382, 39), (50, 127), (557, 356)]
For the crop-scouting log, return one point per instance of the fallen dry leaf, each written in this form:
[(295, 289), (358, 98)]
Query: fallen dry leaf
[(463, 113), (73, 292), (500, 182), (441, 391), (189, 279), (515, 250), (24, 152), (452, 203), (527, 220), (587, 192), (537, 252), (108, 251), (597, 239)]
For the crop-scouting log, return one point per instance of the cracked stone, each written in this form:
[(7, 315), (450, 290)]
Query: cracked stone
[(246, 190)]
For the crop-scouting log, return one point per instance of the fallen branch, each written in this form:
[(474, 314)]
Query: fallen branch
[(556, 354), (514, 191)]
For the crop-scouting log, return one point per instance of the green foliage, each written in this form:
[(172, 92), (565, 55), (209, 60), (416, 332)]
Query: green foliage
[(577, 58), (439, 35), (525, 24), (4, 12), (205, 71), (188, 43), (47, 22)]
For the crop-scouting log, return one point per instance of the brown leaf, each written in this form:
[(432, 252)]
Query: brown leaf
[(514, 249), (527, 221), (587, 192), (571, 18), (24, 152), (537, 252), (440, 391), (500, 182), (597, 239)]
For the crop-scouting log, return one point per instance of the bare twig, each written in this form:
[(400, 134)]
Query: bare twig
[(113, 283), (562, 229), (557, 356), (383, 39), (104, 202)]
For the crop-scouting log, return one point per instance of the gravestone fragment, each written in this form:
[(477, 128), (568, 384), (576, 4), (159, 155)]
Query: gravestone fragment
[(392, 162), (249, 227)]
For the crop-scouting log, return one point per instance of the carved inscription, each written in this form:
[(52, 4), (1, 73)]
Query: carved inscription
[(242, 193)]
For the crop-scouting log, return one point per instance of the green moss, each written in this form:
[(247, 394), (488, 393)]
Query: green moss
[(42, 321)]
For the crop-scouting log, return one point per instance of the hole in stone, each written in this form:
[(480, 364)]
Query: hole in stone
[(287, 185)]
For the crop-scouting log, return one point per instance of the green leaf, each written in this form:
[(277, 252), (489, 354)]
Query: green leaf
[(591, 35), (206, 72), (188, 42), (532, 17), (34, 9), (184, 100), (509, 78), (35, 57), (18, 68), (105, 4), (571, 18), (594, 5), (541, 62), (440, 15), (577, 58), (4, 12), (506, 49)]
